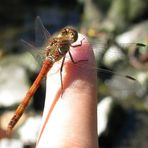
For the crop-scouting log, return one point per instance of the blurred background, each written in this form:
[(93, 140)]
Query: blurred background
[(118, 31)]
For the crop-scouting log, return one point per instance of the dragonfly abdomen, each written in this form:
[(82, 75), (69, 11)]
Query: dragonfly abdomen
[(19, 111)]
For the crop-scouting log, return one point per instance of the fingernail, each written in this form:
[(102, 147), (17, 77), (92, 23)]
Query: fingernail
[(82, 49)]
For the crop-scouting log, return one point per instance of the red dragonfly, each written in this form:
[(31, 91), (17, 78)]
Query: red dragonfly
[(57, 47)]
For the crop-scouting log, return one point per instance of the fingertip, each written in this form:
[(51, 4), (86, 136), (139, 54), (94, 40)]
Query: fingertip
[(83, 55), (77, 108), (83, 49)]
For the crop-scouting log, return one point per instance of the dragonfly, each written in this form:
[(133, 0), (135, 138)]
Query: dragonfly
[(55, 48)]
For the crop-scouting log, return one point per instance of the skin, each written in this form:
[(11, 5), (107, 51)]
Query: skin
[(70, 120)]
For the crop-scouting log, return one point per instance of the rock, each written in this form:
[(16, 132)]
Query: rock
[(30, 129), (103, 110), (127, 40), (14, 81), (13, 84), (137, 33), (10, 143), (142, 78), (111, 119), (139, 56), (112, 56)]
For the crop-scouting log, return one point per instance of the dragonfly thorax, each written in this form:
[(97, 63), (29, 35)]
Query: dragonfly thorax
[(56, 51), (60, 45)]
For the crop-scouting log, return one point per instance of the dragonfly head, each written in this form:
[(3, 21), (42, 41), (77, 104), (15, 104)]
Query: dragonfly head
[(70, 34)]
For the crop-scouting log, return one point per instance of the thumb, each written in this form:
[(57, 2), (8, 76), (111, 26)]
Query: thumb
[(71, 121)]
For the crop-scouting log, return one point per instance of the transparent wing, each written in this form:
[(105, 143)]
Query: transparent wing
[(41, 39), (37, 53), (111, 82), (115, 48), (123, 86), (121, 77), (110, 53), (41, 33)]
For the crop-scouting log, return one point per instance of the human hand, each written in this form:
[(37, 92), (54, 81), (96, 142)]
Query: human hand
[(71, 120)]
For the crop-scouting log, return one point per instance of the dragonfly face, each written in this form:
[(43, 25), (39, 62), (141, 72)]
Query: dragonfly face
[(69, 34)]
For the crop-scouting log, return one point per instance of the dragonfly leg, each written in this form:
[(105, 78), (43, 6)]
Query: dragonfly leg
[(80, 44), (73, 61), (61, 69)]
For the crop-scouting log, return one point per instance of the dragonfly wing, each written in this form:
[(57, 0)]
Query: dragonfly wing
[(41, 33), (119, 84), (122, 86), (109, 54), (37, 53), (116, 52), (113, 81)]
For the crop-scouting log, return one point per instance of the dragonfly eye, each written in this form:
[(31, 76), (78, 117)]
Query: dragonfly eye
[(64, 49), (73, 35)]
